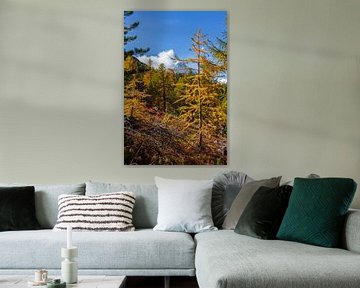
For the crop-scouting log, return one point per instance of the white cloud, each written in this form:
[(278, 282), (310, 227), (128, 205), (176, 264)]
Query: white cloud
[(222, 80), (165, 57)]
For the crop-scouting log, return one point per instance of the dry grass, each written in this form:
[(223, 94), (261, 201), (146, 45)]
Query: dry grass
[(157, 139)]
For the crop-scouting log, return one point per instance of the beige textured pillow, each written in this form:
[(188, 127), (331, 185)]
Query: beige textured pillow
[(104, 212), (243, 198)]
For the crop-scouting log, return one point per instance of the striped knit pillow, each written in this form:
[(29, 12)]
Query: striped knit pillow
[(105, 212)]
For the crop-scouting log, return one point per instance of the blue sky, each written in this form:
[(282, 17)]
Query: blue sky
[(163, 31)]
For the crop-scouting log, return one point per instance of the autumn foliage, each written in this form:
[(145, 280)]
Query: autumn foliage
[(177, 117)]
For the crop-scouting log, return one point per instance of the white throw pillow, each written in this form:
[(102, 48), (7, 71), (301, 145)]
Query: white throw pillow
[(184, 205), (104, 212)]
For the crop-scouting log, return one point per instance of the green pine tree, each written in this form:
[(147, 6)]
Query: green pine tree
[(129, 38)]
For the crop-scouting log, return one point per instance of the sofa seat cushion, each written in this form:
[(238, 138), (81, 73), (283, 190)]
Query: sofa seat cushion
[(225, 259), (141, 249)]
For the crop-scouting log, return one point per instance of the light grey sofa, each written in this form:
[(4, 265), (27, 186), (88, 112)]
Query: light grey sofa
[(220, 259)]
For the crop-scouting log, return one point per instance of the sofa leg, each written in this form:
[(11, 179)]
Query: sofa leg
[(167, 282)]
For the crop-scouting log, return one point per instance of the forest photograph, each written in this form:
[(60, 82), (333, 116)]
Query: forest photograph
[(175, 87)]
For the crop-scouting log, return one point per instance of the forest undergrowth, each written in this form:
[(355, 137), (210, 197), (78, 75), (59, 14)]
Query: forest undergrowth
[(154, 138)]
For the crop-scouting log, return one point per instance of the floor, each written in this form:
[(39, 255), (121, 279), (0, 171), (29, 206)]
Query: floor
[(158, 282)]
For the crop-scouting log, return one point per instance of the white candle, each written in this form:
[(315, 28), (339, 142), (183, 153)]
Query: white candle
[(69, 237)]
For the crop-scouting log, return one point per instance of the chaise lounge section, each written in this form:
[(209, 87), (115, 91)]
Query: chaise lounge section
[(225, 259)]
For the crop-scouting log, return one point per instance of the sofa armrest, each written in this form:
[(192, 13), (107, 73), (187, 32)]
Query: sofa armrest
[(351, 234)]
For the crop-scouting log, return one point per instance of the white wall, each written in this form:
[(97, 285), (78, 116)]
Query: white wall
[(294, 89)]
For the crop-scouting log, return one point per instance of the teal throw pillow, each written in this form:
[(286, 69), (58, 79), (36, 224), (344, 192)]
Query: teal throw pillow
[(316, 211)]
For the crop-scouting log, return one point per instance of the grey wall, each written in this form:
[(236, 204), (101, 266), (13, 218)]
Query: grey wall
[(294, 89)]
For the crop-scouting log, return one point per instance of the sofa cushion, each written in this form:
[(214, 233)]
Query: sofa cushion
[(146, 205), (350, 239), (263, 215), (46, 200), (142, 249), (317, 209), (184, 205), (17, 208), (225, 189), (105, 212), (243, 198), (225, 259)]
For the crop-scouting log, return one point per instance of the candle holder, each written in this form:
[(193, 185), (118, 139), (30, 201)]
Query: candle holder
[(69, 271)]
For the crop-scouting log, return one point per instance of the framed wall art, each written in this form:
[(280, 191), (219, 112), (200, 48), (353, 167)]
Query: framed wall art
[(175, 87)]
